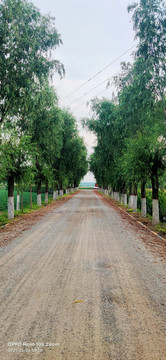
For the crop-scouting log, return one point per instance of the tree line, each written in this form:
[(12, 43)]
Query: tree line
[(131, 127), (39, 141)]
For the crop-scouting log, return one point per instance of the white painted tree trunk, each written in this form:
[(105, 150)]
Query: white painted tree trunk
[(124, 199), (155, 212), (39, 203), (46, 198), (135, 203), (11, 207), (18, 203), (143, 207), (60, 192), (31, 196), (116, 196), (131, 202), (54, 195)]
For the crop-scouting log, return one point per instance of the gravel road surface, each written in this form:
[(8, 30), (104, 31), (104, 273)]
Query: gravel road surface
[(82, 283)]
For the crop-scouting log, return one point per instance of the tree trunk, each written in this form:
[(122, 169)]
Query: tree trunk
[(143, 200), (11, 196), (46, 193), (61, 192), (31, 196), (22, 204), (155, 196), (130, 196), (134, 193), (38, 167), (18, 200), (124, 199), (51, 194), (39, 193)]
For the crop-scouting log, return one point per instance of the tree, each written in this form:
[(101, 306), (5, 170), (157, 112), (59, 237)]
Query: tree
[(131, 131), (45, 124), (79, 161), (26, 39), (16, 158), (139, 110), (72, 164), (108, 129), (149, 23)]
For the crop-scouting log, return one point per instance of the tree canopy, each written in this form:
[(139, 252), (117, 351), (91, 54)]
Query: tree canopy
[(39, 142)]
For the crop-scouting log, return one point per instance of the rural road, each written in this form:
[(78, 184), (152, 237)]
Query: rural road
[(81, 284)]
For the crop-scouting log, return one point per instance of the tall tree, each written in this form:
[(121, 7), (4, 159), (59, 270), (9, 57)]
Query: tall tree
[(45, 126), (149, 23), (16, 158), (72, 164), (26, 40)]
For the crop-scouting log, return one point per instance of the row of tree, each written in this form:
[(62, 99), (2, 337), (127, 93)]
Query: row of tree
[(130, 128), (39, 142)]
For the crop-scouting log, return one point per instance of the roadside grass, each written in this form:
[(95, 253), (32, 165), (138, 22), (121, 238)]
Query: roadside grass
[(26, 205), (3, 218), (85, 188), (27, 210), (160, 229), (130, 210), (26, 199)]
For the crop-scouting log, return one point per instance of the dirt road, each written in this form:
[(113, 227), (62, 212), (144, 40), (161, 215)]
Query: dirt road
[(82, 284)]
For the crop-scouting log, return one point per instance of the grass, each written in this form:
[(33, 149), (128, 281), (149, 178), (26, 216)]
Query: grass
[(161, 228), (26, 199), (130, 210), (3, 218), (27, 210), (26, 202), (85, 188)]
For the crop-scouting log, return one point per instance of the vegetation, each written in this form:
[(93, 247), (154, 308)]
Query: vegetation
[(39, 142), (131, 130)]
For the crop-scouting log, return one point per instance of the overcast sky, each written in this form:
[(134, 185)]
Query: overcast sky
[(94, 34)]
